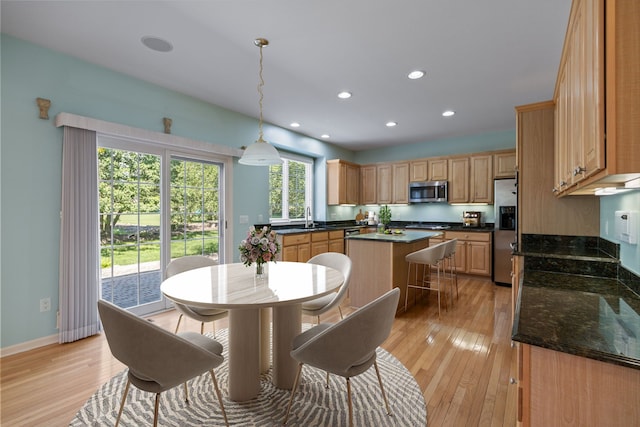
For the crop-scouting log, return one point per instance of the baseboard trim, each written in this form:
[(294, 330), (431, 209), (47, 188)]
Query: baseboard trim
[(28, 345)]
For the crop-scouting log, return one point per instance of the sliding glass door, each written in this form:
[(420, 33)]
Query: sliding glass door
[(154, 207)]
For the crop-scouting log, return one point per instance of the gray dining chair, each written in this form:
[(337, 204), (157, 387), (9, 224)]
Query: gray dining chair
[(337, 261), (202, 315), (347, 348), (158, 360)]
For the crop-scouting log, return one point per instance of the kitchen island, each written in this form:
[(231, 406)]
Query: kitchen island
[(379, 263)]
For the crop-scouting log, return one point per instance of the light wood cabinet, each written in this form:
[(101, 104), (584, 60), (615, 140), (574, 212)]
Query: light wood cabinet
[(300, 247), (336, 241), (418, 170), (539, 212), (384, 183), (504, 164), (481, 182), (319, 242), (558, 388), (597, 98), (458, 180), (400, 183), (295, 247), (473, 252), (343, 182), (438, 170), (368, 185)]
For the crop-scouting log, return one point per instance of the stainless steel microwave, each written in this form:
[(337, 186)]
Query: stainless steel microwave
[(428, 192)]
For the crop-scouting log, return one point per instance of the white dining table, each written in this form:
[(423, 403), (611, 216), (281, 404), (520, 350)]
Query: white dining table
[(235, 287)]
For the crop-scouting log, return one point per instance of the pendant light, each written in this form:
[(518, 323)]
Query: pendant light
[(260, 153)]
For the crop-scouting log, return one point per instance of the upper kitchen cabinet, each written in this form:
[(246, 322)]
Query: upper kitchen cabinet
[(384, 183), (418, 170), (504, 164), (481, 183), (471, 179), (597, 97), (458, 180), (343, 182), (438, 169), (400, 182), (539, 211), (368, 185)]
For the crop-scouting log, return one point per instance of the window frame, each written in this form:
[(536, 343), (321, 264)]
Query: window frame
[(309, 188)]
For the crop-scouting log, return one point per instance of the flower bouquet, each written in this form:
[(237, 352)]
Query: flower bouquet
[(259, 247)]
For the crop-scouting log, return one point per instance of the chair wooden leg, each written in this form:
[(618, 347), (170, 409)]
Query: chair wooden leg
[(155, 410), (318, 320), (124, 398), (186, 393), (384, 395), (201, 328), (293, 392), (340, 310), (217, 389), (349, 402), (178, 325), (327, 383)]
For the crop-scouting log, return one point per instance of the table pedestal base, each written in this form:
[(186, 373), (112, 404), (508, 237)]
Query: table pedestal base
[(244, 354), (286, 326)]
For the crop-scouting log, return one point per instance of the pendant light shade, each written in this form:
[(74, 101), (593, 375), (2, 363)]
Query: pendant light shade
[(260, 153)]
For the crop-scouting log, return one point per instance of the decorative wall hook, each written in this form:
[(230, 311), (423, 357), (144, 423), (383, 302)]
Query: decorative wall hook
[(167, 124), (43, 105)]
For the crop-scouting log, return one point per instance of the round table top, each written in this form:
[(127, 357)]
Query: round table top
[(234, 286)]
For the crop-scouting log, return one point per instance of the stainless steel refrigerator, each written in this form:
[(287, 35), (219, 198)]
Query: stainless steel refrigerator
[(505, 202)]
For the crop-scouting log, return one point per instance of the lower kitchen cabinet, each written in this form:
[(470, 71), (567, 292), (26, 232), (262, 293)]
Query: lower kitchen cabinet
[(319, 243), (301, 247), (473, 252), (295, 247), (556, 388), (336, 241)]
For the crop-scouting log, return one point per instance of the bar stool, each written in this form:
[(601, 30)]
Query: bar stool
[(432, 256), (450, 256)]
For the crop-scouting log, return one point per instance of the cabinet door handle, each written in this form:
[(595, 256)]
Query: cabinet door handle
[(579, 170)]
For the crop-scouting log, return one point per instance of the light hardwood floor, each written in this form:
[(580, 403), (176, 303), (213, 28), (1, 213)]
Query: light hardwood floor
[(462, 362)]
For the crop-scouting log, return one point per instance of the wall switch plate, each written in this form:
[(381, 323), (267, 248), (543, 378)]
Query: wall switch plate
[(260, 218), (244, 219)]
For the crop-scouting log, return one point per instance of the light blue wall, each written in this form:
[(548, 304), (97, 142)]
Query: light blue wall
[(629, 254), (30, 169)]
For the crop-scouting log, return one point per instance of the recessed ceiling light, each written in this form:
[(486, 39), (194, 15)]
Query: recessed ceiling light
[(157, 44), (448, 113), (391, 124), (325, 136), (344, 95), (295, 125), (416, 74)]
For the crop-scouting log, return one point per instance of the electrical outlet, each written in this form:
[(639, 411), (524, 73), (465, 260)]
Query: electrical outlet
[(244, 219), (45, 304), (260, 218)]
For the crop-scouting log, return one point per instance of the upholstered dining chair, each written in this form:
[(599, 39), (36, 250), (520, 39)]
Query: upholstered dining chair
[(348, 347), (340, 262), (202, 315), (432, 256), (158, 360)]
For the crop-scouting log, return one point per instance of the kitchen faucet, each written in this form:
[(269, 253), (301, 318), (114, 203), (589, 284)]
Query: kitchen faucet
[(307, 217)]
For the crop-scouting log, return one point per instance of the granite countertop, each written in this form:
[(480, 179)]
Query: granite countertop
[(407, 236), (586, 316)]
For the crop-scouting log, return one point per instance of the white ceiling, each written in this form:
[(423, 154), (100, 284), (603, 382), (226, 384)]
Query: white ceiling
[(481, 58)]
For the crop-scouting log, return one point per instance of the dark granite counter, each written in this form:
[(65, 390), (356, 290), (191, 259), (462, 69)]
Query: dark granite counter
[(572, 300)]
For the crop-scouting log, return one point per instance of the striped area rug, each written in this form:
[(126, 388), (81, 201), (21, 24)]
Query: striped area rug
[(314, 405)]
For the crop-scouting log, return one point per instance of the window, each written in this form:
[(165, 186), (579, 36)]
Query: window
[(290, 188)]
